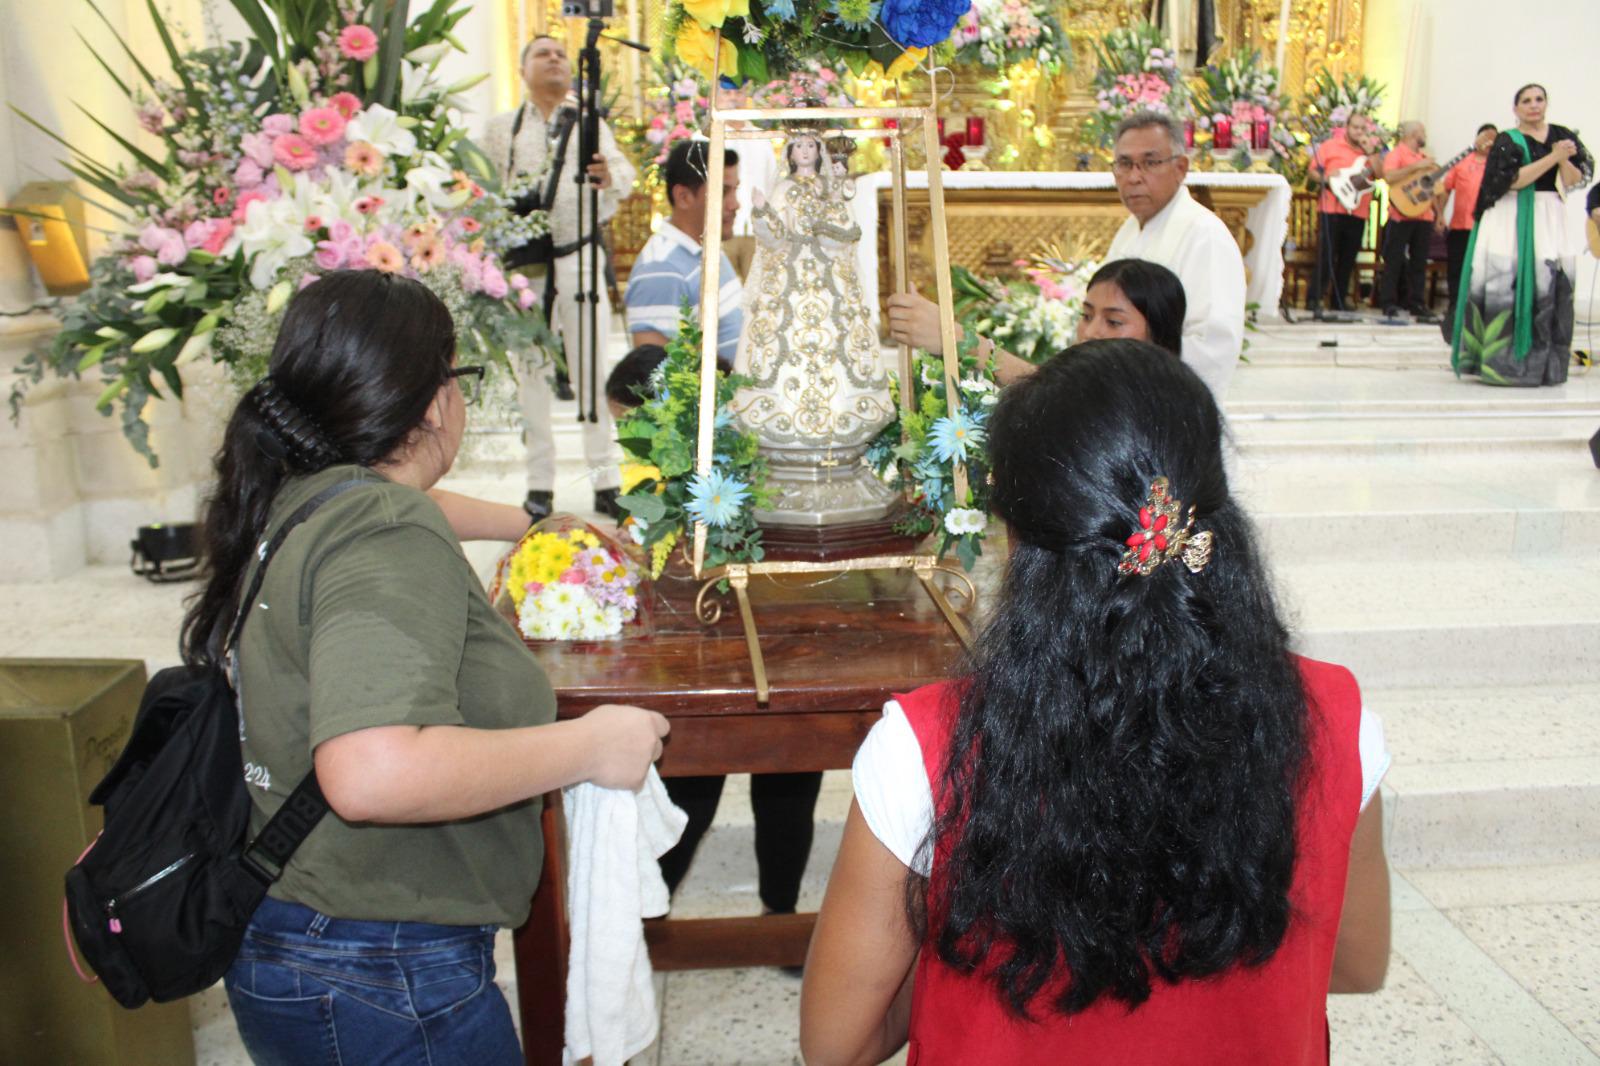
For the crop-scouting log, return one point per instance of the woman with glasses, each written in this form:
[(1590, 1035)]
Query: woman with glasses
[(373, 656)]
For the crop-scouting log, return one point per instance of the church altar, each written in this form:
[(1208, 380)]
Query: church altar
[(997, 217)]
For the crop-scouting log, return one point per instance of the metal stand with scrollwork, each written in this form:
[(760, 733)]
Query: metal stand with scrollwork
[(893, 124)]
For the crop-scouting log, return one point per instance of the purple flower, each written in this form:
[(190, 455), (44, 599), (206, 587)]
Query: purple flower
[(921, 23)]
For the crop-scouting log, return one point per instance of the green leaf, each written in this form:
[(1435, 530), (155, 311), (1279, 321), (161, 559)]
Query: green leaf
[(189, 92), (672, 454), (146, 160), (645, 506), (126, 91), (122, 39), (389, 54), (260, 25)]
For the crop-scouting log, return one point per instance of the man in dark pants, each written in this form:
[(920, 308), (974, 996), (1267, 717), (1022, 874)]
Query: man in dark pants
[(1463, 181), (1406, 240), (1339, 228)]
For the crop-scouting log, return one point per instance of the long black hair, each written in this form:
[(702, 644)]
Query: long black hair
[(1155, 292), (1120, 792), (359, 357)]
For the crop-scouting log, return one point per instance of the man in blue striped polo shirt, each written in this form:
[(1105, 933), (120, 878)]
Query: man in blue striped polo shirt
[(667, 272)]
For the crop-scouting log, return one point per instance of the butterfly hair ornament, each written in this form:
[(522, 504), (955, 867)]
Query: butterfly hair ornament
[(1158, 538)]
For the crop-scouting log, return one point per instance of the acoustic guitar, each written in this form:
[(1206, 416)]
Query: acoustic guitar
[(1412, 196)]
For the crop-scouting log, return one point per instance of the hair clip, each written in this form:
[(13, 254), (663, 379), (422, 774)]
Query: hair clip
[(1159, 539)]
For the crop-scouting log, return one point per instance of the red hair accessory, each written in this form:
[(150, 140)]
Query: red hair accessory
[(1159, 539)]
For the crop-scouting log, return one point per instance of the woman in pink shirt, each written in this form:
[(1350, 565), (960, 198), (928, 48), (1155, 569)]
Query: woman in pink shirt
[(1464, 180)]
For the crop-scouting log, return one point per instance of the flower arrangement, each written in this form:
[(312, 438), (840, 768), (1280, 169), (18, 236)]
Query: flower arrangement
[(918, 451), (768, 40), (321, 144), (676, 109), (1329, 101), (810, 85), (998, 33), (1242, 91), (1137, 71), (661, 491), (1034, 318), (566, 583)]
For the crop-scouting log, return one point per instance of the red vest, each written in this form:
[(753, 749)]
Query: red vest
[(1272, 1014)]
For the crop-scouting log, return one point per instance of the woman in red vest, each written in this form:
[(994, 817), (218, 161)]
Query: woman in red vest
[(1137, 829)]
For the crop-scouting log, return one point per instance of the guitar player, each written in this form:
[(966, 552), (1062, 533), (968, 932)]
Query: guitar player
[(1463, 180), (1405, 240), (1339, 227)]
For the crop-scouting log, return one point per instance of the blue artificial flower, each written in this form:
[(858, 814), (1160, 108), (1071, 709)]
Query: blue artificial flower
[(951, 436), (715, 499), (779, 9), (922, 23)]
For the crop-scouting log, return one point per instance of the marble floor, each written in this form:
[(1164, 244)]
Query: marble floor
[(1437, 536)]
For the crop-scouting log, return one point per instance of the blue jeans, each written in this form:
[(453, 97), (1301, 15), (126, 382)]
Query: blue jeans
[(309, 990)]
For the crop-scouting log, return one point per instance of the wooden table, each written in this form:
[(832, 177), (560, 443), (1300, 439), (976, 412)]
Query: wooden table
[(835, 650)]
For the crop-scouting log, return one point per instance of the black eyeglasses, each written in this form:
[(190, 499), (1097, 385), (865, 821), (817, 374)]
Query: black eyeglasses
[(1148, 165), (471, 382)]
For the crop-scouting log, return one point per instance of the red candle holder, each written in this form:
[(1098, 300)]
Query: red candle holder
[(975, 130), (890, 124), (1188, 133), (1221, 133), (1261, 135)]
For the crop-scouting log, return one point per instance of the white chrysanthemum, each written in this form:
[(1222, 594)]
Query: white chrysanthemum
[(963, 520)]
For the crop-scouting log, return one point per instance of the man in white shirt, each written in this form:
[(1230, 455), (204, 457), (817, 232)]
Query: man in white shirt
[(1170, 228), (1167, 227), (667, 273), (519, 142)]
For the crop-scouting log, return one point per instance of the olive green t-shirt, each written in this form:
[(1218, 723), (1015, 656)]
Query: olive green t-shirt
[(371, 616)]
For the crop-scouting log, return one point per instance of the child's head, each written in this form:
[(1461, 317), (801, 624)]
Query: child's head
[(629, 383)]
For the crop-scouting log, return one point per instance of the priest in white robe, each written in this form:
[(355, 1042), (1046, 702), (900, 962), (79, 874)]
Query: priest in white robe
[(1168, 227)]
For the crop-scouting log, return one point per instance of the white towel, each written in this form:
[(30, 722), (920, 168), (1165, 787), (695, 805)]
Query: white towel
[(614, 838)]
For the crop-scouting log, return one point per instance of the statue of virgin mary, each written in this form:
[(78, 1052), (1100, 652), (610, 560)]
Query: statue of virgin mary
[(819, 393)]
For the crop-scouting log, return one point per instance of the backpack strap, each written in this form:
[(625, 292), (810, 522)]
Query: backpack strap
[(267, 855)]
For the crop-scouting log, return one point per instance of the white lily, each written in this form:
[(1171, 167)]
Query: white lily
[(430, 183), (381, 128), (272, 234), (164, 280)]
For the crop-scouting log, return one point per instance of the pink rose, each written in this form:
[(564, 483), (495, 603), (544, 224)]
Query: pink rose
[(526, 299), (294, 152), (257, 149), (573, 576), (248, 175), (329, 255), (153, 237), (322, 125), (277, 125), (195, 233), (347, 104), (172, 252), (358, 43), (221, 230), (144, 268), (494, 283), (341, 230), (684, 111), (519, 282)]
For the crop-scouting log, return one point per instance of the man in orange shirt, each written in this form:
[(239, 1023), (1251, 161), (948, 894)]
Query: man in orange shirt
[(1339, 228), (1463, 180), (1405, 240)]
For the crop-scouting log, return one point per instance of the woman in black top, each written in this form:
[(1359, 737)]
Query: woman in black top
[(1515, 326)]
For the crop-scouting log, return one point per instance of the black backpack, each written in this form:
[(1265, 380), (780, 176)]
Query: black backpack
[(159, 903)]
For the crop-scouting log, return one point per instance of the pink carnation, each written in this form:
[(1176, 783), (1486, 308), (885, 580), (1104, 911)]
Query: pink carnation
[(322, 125), (494, 283), (573, 576), (340, 230), (294, 152), (172, 252), (358, 43), (277, 125), (153, 237), (526, 299), (221, 230), (195, 233), (144, 268)]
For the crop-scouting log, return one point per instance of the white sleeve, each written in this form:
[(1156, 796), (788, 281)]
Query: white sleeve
[(623, 174), (1375, 757), (891, 786), (1212, 272)]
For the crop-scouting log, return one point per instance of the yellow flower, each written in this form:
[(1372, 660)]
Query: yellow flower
[(713, 13), (635, 473), (906, 62), (697, 46)]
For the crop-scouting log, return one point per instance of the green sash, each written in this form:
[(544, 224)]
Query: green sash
[(1525, 283)]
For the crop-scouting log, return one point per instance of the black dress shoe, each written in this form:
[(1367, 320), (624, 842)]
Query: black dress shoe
[(605, 501), (564, 391), (539, 504), (1423, 316)]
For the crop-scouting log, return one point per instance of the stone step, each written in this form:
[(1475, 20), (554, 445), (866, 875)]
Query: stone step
[(1520, 620), (1491, 775)]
